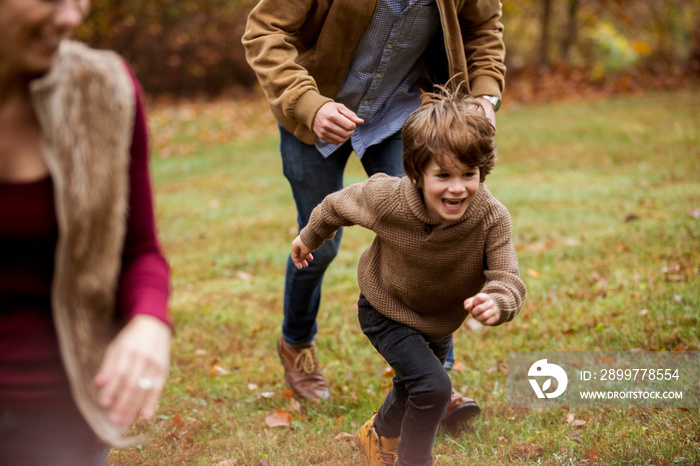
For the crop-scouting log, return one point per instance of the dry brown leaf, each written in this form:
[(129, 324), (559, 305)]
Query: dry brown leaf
[(226, 463), (592, 454), (570, 418), (216, 370), (287, 394), (295, 405), (576, 435), (525, 451), (344, 436), (458, 366), (278, 418)]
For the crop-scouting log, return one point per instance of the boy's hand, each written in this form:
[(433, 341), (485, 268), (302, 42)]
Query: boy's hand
[(483, 308), (301, 255)]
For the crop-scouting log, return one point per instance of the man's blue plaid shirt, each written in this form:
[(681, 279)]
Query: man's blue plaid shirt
[(380, 85)]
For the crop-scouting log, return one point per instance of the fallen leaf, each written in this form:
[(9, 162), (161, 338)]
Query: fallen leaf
[(226, 463), (503, 367), (278, 418), (296, 406), (592, 454), (243, 276), (267, 394), (388, 372), (252, 386), (217, 370), (344, 436), (177, 420), (575, 435), (287, 394), (578, 423), (570, 418), (644, 312), (533, 273), (458, 366), (525, 451), (263, 463)]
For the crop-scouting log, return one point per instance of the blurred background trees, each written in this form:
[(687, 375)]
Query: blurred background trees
[(192, 47)]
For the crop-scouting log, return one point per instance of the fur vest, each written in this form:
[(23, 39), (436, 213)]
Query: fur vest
[(86, 106)]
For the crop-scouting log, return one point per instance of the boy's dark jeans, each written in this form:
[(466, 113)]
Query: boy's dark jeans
[(421, 393)]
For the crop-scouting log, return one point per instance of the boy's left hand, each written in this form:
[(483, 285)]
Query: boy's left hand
[(301, 255), (483, 308)]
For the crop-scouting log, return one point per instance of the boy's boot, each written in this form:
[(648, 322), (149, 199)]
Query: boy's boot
[(380, 451)]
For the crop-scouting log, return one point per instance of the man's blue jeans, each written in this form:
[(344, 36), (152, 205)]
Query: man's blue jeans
[(313, 177), (421, 392)]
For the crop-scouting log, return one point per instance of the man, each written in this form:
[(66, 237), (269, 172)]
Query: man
[(343, 75)]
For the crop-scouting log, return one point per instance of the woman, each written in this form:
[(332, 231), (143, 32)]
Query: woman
[(84, 329)]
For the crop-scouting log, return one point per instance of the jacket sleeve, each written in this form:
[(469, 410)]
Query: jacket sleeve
[(501, 267), (358, 204), (482, 35), (272, 46)]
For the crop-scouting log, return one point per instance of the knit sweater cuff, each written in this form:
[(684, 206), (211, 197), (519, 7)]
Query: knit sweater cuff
[(312, 240), (506, 314)]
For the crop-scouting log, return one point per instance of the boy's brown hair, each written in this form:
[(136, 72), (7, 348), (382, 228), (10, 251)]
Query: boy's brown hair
[(448, 122)]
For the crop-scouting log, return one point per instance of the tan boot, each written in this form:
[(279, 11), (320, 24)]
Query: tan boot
[(380, 451), (302, 372)]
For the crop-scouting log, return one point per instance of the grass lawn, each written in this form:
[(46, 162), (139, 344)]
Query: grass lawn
[(605, 201)]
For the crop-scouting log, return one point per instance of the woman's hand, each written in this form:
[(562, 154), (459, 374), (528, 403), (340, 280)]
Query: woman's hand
[(483, 308), (134, 369)]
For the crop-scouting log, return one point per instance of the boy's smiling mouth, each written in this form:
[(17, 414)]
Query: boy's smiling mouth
[(453, 204)]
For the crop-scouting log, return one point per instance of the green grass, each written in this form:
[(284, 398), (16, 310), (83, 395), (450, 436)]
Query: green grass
[(604, 198)]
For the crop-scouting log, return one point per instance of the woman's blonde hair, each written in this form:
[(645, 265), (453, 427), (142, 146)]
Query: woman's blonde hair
[(448, 123)]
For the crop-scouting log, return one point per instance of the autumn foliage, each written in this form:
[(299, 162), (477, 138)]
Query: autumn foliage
[(189, 48)]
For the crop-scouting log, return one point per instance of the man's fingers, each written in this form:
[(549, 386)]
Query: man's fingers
[(350, 115)]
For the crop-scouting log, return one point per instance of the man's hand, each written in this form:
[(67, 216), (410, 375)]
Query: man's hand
[(301, 255), (489, 111), (483, 308), (335, 123)]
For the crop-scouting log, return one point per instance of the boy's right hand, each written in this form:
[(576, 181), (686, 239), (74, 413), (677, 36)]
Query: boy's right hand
[(301, 255)]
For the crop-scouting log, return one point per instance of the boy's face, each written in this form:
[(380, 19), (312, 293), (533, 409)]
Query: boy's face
[(447, 192)]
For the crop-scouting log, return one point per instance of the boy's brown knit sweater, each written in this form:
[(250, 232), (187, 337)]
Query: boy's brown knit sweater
[(419, 271)]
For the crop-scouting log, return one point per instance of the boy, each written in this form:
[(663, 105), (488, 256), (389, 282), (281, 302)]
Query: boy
[(441, 238)]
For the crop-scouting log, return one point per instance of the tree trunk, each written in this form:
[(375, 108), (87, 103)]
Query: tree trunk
[(571, 32), (544, 33)]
